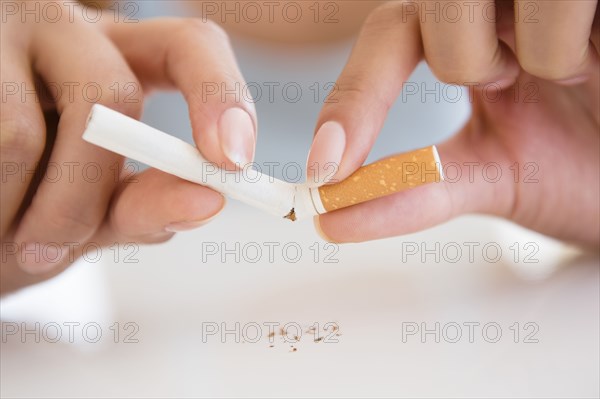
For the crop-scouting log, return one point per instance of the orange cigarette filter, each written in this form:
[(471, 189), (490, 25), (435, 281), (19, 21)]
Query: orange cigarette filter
[(387, 176)]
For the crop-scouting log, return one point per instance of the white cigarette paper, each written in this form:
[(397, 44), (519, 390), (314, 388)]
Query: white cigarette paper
[(133, 139)]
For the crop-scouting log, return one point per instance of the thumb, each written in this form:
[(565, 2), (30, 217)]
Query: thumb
[(473, 184)]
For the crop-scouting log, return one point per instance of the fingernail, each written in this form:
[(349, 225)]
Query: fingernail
[(178, 227), (573, 81), (36, 258), (504, 83), (317, 223), (236, 134), (325, 154)]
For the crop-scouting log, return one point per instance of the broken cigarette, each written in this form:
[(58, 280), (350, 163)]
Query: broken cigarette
[(133, 139)]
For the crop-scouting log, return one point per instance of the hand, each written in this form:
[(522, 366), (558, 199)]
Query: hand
[(553, 139), (46, 221)]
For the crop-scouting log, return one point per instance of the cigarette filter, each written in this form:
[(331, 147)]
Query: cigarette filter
[(130, 138)]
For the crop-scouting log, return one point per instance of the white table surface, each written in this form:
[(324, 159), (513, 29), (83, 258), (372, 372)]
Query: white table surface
[(369, 293)]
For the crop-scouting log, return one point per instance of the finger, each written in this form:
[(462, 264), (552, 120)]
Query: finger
[(467, 189), (461, 46), (22, 132), (387, 51), (70, 207), (553, 39), (147, 208), (153, 205), (196, 58)]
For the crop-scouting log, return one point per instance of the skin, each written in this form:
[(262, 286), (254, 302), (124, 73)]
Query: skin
[(312, 21), (558, 133), (138, 58)]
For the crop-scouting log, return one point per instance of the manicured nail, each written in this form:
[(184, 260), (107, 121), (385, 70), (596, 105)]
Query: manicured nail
[(178, 227), (325, 154), (573, 81), (37, 258), (317, 223), (503, 83), (237, 136)]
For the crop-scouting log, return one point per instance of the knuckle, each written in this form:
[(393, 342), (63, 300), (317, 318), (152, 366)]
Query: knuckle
[(457, 74), (125, 95), (22, 135), (203, 27), (355, 88), (362, 95), (549, 70), (132, 106), (461, 70), (551, 65)]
